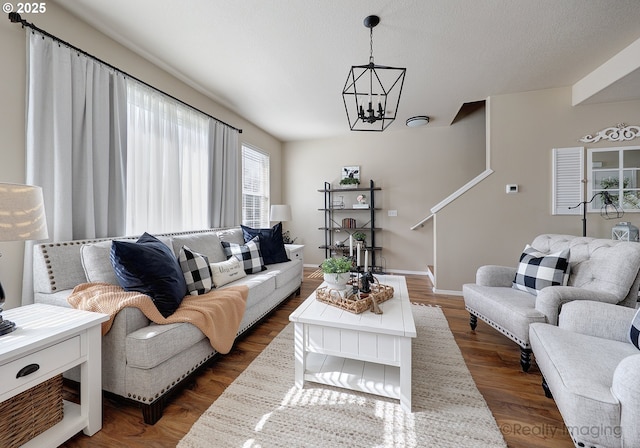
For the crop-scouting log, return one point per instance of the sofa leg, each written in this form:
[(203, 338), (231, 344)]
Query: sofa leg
[(473, 321), (153, 412), (525, 359), (298, 292), (545, 387)]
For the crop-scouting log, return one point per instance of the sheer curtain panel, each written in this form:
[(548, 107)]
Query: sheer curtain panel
[(167, 165), (75, 143)]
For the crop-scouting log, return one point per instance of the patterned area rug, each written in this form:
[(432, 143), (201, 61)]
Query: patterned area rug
[(316, 274), (263, 408)]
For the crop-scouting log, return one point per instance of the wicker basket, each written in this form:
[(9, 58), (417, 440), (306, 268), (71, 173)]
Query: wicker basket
[(356, 303), (31, 413)]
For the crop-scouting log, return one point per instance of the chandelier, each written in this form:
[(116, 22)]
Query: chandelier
[(372, 92)]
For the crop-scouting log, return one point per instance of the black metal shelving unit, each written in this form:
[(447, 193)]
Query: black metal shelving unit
[(332, 225)]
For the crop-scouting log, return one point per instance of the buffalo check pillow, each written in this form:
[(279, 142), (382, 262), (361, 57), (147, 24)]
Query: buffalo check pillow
[(196, 270), (248, 253), (538, 270)]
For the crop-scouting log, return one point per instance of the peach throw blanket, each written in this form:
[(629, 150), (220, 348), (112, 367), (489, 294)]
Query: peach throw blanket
[(217, 314)]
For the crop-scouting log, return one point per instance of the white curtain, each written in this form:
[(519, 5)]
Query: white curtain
[(167, 164), (75, 144)]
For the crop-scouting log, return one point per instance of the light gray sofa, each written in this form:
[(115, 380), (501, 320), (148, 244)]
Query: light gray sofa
[(599, 269), (591, 369), (143, 361)]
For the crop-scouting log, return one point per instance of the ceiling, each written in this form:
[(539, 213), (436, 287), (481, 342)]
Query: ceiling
[(282, 64)]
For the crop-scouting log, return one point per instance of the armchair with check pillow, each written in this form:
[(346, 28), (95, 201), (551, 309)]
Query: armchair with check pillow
[(554, 270)]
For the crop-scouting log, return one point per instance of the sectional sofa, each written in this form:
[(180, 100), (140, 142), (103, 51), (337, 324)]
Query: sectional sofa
[(142, 361)]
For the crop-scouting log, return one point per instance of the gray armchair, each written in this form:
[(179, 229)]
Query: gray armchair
[(591, 370), (601, 270)]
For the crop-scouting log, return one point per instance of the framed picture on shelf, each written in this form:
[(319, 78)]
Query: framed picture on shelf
[(351, 172)]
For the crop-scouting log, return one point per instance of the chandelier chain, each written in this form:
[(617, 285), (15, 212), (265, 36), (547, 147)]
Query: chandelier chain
[(371, 45)]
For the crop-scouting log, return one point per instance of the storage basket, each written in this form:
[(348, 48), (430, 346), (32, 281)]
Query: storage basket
[(30, 413), (356, 303)]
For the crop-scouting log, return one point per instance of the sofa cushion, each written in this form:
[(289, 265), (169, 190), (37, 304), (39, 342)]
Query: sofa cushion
[(96, 263), (285, 272), (227, 271), (196, 270), (260, 285), (249, 253), (233, 235), (538, 270), (634, 331), (271, 243), (150, 267), (205, 243), (501, 304)]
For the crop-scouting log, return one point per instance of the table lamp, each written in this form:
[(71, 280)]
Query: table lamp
[(280, 213), (22, 218)]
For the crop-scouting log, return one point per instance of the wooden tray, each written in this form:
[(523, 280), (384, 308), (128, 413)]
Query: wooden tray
[(355, 303)]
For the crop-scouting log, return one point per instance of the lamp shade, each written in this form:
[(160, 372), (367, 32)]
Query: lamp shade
[(22, 214), (280, 213)]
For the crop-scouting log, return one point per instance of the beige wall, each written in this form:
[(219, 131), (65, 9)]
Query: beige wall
[(488, 226), (12, 110), (416, 169)]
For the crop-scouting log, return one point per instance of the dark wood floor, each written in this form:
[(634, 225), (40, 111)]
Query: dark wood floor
[(526, 417)]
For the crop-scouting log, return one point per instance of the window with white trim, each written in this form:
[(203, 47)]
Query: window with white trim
[(255, 188)]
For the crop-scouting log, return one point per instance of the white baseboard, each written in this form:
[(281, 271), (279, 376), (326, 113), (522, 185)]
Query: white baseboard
[(400, 271), (447, 292)]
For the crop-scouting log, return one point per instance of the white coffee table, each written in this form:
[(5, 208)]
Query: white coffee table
[(366, 352)]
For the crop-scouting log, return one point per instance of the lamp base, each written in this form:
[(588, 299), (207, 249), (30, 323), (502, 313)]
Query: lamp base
[(6, 326)]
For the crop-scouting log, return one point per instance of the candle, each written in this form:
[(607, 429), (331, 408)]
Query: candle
[(366, 260), (350, 245), (358, 255)]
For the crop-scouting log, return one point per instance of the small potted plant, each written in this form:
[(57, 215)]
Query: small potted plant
[(349, 182), (337, 271), (359, 236)]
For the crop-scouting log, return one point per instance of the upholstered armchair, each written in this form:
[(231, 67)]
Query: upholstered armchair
[(590, 368), (600, 270)]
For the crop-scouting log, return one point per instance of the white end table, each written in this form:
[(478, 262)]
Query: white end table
[(366, 352), (55, 339)]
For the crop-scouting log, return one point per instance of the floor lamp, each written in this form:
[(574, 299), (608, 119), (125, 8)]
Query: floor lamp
[(22, 218), (609, 210)]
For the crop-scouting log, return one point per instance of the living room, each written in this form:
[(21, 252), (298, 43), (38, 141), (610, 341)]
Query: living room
[(512, 136)]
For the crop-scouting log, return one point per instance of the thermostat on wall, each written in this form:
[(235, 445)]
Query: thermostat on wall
[(512, 188)]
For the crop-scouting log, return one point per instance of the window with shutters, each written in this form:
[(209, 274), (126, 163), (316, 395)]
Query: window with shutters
[(568, 187), (616, 171), (255, 188)]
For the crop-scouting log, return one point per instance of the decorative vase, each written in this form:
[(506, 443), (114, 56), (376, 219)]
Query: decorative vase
[(337, 281)]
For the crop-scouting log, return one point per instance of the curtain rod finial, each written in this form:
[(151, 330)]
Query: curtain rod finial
[(15, 17)]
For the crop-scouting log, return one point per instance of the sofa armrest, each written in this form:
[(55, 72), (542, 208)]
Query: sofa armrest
[(626, 388), (492, 275), (552, 298), (599, 319)]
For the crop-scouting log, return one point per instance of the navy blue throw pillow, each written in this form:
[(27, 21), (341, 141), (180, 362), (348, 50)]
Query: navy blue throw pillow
[(150, 267), (271, 243)]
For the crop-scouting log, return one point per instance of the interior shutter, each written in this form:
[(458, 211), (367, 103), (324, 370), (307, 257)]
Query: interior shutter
[(568, 173)]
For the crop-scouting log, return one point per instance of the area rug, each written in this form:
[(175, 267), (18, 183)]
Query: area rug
[(263, 408)]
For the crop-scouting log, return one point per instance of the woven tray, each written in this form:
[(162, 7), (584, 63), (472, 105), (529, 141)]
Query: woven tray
[(356, 303), (30, 413)]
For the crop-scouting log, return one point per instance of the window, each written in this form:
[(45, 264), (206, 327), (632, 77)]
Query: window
[(607, 167), (255, 188)]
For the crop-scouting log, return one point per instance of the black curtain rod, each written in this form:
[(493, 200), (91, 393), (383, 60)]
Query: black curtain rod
[(14, 17)]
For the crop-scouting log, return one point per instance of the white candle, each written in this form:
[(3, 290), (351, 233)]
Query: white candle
[(358, 255), (366, 260), (351, 245)]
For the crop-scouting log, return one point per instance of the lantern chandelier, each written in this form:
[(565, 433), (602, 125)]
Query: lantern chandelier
[(372, 92)]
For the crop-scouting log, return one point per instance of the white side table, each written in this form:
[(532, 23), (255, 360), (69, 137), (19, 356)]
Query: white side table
[(55, 339), (296, 252)]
